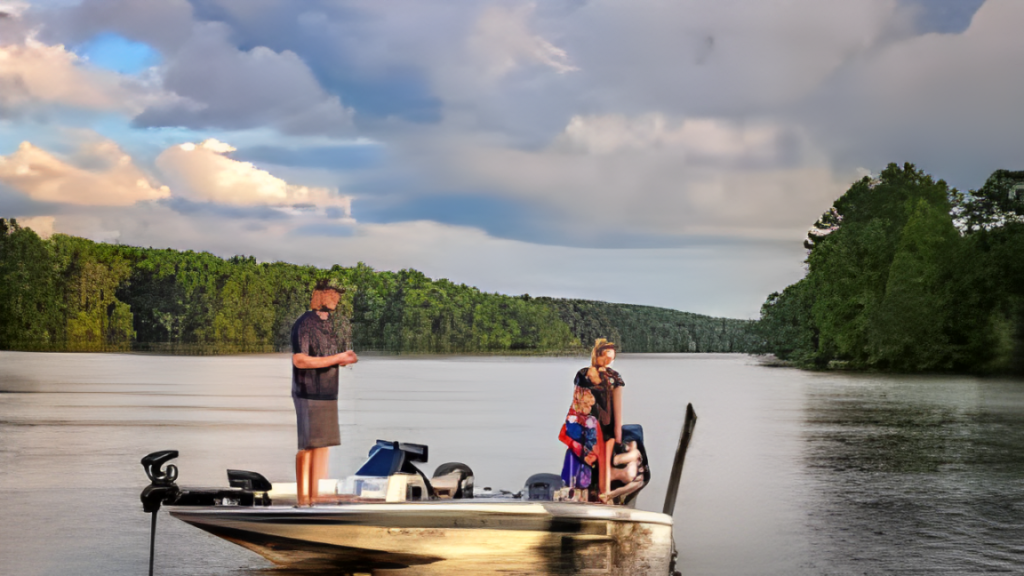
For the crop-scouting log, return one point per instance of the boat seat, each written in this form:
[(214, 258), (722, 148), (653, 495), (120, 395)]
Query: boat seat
[(445, 487)]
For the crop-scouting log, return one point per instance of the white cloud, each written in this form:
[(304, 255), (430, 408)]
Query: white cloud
[(502, 42), (33, 74), (205, 173), (701, 137), (98, 174), (13, 8), (41, 225)]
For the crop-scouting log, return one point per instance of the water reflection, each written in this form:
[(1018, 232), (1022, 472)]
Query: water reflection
[(917, 476)]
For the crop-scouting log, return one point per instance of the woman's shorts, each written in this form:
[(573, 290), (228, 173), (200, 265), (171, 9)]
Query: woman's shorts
[(317, 422)]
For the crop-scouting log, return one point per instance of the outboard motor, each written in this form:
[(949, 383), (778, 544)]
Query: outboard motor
[(635, 433), (542, 486)]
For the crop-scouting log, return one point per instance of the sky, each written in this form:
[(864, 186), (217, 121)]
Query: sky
[(664, 152)]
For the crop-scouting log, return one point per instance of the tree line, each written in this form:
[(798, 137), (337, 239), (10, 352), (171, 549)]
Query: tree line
[(907, 274), (67, 293)]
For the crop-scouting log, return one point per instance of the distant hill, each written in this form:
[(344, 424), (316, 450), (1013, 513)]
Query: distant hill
[(72, 294), (638, 328)]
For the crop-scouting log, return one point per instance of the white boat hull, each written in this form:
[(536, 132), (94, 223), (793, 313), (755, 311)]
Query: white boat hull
[(435, 537)]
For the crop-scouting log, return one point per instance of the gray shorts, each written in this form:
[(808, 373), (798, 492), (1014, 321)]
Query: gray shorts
[(317, 422)]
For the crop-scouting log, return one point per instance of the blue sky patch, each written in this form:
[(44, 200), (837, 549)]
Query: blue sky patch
[(944, 16), (117, 53)]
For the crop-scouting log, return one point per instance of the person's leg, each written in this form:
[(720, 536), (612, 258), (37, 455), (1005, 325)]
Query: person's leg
[(318, 471), (605, 470), (302, 472)]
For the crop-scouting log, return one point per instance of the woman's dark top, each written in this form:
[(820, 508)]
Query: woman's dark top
[(603, 399), (314, 337)]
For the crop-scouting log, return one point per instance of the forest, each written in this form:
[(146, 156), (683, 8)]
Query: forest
[(906, 274), (67, 293)]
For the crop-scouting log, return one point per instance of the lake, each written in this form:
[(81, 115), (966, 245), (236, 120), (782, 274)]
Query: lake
[(789, 472)]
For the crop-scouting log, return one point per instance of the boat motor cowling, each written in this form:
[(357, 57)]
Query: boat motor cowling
[(542, 486)]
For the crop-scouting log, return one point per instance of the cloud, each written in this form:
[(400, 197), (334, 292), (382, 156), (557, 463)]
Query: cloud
[(948, 102), (650, 175), (205, 172), (223, 86), (700, 137), (41, 225), (712, 277), (165, 25), (502, 42), (33, 74), (99, 174)]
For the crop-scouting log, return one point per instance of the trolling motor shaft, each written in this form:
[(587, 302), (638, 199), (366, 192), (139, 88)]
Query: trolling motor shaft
[(161, 489)]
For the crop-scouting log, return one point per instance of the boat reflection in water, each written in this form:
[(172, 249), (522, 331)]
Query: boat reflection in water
[(390, 516)]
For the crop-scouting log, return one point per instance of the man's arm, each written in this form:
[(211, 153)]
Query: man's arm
[(305, 361)]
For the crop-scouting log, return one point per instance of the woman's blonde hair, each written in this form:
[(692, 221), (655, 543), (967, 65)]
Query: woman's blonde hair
[(600, 345)]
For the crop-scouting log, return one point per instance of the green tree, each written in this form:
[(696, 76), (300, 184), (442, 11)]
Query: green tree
[(245, 318), (909, 327), (30, 308), (90, 276)]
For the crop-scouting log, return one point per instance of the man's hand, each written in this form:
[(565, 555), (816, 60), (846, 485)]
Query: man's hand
[(346, 358)]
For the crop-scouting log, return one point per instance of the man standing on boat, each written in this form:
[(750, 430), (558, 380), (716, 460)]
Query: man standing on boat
[(316, 356)]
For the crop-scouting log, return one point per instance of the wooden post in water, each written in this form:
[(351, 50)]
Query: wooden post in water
[(677, 464)]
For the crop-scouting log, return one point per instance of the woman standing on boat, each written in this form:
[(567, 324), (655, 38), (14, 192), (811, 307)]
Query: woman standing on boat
[(593, 427)]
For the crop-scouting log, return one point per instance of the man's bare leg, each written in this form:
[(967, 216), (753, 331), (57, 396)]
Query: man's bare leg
[(318, 471), (303, 461)]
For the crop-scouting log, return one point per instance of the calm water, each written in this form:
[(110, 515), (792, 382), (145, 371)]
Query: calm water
[(790, 473)]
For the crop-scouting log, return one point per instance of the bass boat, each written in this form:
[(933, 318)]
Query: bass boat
[(391, 516)]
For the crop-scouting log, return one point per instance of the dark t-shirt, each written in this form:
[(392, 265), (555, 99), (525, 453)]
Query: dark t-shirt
[(314, 337), (603, 409)]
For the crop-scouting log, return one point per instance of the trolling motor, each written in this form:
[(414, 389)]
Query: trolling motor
[(161, 489), (247, 489)]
